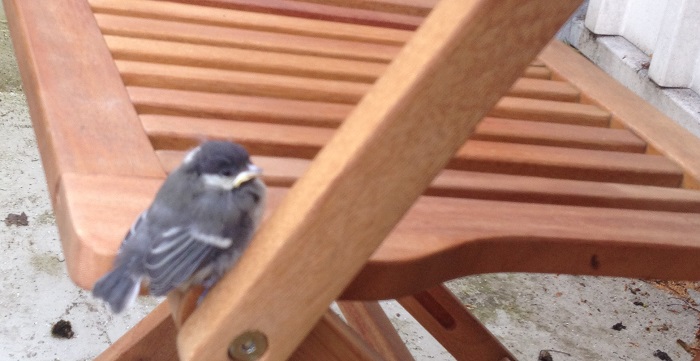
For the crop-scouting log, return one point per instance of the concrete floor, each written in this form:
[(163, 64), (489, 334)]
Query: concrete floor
[(572, 315)]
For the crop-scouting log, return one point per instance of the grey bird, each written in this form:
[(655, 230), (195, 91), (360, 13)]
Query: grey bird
[(199, 223)]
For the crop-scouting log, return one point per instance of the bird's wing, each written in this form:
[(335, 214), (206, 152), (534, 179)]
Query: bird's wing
[(178, 254)]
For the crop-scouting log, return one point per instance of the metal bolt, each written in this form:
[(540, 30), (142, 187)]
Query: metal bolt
[(249, 346)]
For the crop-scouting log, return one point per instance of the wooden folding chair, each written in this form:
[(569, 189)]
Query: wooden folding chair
[(567, 173)]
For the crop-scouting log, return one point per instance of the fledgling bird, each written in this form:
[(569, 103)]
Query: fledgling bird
[(199, 223)]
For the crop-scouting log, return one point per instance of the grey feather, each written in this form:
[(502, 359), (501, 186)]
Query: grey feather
[(193, 232)]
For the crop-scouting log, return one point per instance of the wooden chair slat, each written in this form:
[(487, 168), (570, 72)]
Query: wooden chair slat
[(544, 89), (412, 7), (318, 11), (567, 163), (560, 135), (71, 108), (283, 172), (254, 21), (226, 106), (551, 111), (221, 36), (537, 72), (172, 132), (241, 59)]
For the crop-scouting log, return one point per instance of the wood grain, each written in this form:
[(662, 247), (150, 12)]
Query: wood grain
[(457, 42), (651, 125)]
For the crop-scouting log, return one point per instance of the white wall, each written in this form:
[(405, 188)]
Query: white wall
[(666, 30)]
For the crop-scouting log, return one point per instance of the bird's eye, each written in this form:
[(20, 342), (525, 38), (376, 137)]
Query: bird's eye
[(226, 173)]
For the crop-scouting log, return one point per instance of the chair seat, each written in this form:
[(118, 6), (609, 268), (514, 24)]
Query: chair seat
[(549, 176)]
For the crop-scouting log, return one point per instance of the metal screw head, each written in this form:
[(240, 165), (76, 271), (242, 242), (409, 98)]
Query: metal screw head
[(248, 346)]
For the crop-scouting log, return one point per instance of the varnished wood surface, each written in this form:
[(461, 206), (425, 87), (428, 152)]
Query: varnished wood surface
[(443, 315), (535, 238), (152, 339), (663, 135), (74, 93)]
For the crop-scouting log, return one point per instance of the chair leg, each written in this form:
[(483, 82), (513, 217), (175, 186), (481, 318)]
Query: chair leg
[(333, 340), (370, 321), (152, 339), (444, 316)]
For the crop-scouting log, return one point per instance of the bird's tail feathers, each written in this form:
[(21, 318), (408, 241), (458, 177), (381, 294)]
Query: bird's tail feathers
[(119, 288)]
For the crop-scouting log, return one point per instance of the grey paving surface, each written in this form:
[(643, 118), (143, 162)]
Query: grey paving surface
[(572, 315)]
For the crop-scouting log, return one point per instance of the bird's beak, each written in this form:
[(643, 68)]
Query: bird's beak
[(246, 175)]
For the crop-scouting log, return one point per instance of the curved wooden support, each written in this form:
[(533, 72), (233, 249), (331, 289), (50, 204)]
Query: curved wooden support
[(444, 316)]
